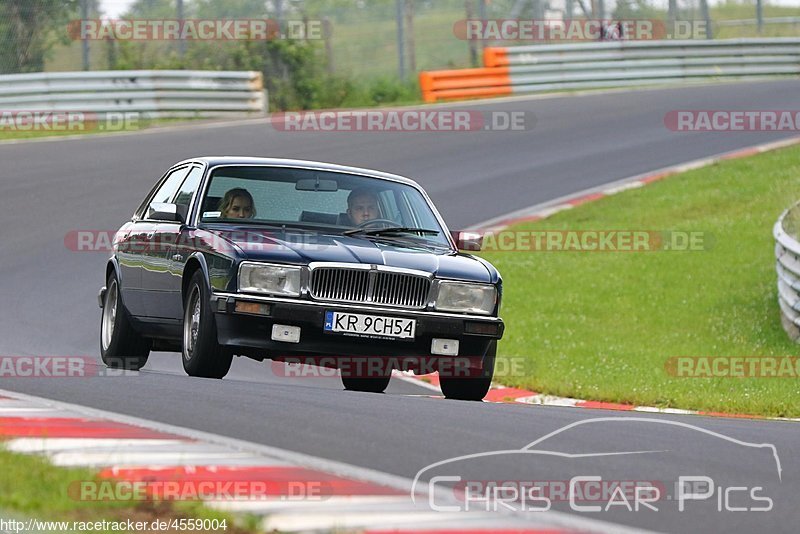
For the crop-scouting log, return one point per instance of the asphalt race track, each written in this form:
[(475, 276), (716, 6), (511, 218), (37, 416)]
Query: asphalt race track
[(48, 189)]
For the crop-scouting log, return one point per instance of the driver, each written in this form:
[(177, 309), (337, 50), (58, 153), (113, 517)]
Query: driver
[(362, 206), (237, 204)]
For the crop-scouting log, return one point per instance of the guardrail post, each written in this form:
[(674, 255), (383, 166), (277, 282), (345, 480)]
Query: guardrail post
[(760, 16), (707, 18), (85, 40), (181, 41), (401, 39)]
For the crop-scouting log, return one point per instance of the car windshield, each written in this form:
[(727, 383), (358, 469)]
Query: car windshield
[(323, 200)]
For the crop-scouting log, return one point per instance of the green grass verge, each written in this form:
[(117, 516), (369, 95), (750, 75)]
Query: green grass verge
[(31, 487), (602, 325), (7, 134)]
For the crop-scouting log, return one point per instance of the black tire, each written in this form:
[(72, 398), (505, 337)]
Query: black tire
[(202, 355), (475, 386), (376, 384), (121, 347), (368, 385)]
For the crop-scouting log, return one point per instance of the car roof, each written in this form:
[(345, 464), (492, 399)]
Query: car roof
[(214, 161)]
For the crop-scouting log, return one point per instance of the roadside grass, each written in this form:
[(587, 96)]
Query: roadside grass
[(12, 133), (603, 325), (32, 487)]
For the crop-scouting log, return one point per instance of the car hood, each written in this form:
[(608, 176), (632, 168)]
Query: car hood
[(306, 247)]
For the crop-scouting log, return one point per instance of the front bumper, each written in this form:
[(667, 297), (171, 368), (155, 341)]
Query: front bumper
[(254, 331)]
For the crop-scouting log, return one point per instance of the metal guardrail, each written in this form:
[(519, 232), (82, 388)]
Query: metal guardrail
[(754, 22), (537, 68), (154, 93), (787, 254)]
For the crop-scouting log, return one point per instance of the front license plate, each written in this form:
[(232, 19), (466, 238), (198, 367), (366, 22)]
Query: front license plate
[(370, 325)]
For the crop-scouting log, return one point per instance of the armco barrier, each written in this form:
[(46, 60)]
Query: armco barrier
[(787, 254), (156, 93), (464, 83), (535, 68)]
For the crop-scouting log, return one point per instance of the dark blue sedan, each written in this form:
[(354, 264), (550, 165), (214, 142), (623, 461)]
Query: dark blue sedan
[(303, 262)]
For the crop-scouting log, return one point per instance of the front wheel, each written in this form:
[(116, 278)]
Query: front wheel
[(474, 386), (376, 381), (369, 385), (121, 347), (202, 354)]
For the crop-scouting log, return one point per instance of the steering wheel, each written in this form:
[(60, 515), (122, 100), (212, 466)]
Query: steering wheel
[(378, 223)]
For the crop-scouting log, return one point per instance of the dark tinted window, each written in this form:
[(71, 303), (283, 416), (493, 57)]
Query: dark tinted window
[(184, 196), (170, 186)]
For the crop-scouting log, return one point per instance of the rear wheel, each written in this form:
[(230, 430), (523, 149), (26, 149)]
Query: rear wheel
[(121, 347), (202, 354), (476, 385)]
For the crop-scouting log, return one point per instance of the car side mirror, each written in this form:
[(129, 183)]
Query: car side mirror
[(164, 211), (469, 241)]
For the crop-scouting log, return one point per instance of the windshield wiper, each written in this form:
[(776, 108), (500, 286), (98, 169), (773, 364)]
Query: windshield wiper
[(284, 227), (394, 230)]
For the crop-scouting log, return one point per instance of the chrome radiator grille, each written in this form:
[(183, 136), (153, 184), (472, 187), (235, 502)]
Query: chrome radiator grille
[(370, 286)]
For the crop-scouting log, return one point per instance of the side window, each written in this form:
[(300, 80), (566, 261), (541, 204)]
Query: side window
[(170, 186), (170, 182), (184, 196)]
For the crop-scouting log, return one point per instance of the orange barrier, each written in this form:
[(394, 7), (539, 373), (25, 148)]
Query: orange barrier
[(495, 57), (464, 83)]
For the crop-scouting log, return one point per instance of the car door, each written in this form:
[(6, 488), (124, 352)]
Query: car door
[(150, 254), (173, 250), (133, 246), (130, 246)]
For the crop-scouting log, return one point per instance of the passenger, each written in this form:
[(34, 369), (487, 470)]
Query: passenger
[(362, 206), (237, 204)]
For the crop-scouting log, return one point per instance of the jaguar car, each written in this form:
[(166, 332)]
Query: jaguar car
[(302, 262)]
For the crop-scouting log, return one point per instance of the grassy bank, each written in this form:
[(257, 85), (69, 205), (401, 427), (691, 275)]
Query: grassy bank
[(31, 487), (603, 325), (9, 130)]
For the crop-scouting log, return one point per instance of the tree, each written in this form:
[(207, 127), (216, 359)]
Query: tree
[(29, 29)]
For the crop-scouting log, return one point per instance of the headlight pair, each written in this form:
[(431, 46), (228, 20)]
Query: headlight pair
[(284, 280)]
